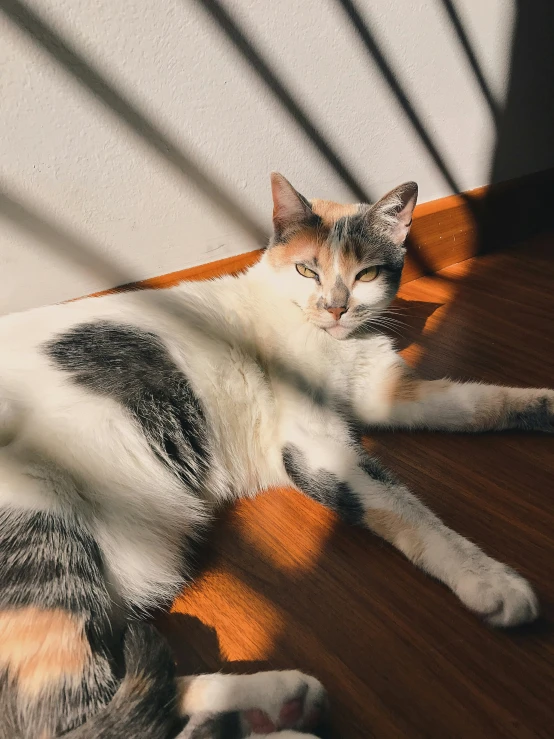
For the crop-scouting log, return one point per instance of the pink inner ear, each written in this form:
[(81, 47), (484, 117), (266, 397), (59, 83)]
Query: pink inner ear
[(288, 207), (400, 230), (403, 217), (405, 214), (395, 210)]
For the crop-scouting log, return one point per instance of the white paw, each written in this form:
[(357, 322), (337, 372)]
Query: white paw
[(284, 700), (499, 594)]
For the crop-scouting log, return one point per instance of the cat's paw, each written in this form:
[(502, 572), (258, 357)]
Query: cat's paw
[(537, 414), (545, 413), (284, 700), (498, 594)]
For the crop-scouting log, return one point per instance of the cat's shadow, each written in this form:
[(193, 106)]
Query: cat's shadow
[(195, 646)]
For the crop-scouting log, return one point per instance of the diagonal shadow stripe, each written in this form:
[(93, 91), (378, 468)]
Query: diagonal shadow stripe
[(117, 102), (472, 59), (254, 57), (378, 56)]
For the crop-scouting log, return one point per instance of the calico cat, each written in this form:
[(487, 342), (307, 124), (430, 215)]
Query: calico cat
[(125, 421)]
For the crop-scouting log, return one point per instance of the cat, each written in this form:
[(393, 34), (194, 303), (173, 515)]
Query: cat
[(126, 420)]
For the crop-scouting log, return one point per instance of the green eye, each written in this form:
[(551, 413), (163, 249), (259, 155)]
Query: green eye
[(305, 272), (368, 275)]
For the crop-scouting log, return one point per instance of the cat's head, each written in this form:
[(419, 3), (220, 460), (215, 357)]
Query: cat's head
[(341, 264)]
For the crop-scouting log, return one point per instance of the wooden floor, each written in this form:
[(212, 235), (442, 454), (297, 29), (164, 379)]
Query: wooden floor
[(287, 585)]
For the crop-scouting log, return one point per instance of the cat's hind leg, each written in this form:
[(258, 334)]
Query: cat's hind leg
[(324, 462), (266, 702)]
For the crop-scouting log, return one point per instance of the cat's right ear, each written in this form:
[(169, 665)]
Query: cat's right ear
[(290, 208)]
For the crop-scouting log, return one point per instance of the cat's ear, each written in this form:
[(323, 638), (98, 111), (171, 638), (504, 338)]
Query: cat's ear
[(290, 209), (393, 213)]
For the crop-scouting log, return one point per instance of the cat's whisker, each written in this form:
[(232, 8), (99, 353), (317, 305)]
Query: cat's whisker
[(390, 314), (384, 326), (389, 320)]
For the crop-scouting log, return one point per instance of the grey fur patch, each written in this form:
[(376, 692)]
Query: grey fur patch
[(538, 416), (134, 368), (376, 471), (339, 295), (323, 486), (361, 235), (52, 562), (62, 707), (339, 230)]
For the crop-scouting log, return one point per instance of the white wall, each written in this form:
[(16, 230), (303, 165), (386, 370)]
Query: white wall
[(64, 155)]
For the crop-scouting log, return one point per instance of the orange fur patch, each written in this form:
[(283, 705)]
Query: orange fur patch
[(41, 647), (301, 247), (330, 212), (405, 386), (395, 530)]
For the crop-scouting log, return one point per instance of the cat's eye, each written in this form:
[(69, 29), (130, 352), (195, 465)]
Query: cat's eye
[(368, 274), (305, 272)]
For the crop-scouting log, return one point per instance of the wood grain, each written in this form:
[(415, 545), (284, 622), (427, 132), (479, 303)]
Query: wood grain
[(285, 584)]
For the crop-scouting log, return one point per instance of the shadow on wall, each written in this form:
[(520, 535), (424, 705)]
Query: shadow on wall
[(186, 162), (525, 130), (117, 102), (524, 145)]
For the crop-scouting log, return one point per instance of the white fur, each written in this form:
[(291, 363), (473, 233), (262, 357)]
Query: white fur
[(267, 691)]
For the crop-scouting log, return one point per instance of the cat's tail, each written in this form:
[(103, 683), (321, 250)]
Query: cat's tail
[(144, 705), (59, 647)]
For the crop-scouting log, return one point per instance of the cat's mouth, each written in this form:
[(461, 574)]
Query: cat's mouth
[(338, 331)]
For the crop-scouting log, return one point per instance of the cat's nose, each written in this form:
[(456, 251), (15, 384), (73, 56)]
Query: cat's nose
[(337, 312)]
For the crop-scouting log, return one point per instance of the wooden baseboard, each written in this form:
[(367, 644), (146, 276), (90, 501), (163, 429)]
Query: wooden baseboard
[(444, 231), (455, 228)]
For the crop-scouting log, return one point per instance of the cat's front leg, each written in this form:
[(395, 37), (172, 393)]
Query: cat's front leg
[(340, 475), (466, 406)]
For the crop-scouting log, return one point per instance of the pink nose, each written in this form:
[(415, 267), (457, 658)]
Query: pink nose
[(337, 312)]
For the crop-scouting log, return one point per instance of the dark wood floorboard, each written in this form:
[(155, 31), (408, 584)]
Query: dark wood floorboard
[(287, 585)]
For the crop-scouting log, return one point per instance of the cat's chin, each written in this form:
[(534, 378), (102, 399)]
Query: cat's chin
[(338, 331)]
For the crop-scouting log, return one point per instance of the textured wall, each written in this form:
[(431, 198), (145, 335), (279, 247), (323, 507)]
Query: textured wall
[(70, 160)]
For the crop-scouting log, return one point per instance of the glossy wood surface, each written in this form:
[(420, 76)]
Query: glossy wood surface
[(285, 584)]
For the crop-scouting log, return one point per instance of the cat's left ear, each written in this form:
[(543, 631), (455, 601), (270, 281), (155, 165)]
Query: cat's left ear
[(394, 212), (290, 208)]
